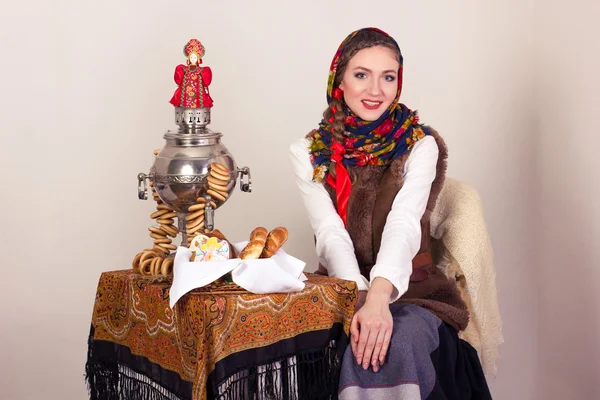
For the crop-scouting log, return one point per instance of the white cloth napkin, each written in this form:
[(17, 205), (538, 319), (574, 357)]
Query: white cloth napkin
[(280, 273)]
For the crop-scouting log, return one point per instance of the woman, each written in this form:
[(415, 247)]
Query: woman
[(369, 177)]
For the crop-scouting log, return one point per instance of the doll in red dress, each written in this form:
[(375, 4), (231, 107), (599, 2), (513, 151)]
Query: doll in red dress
[(193, 80)]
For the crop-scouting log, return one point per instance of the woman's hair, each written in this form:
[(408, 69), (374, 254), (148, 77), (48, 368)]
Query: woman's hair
[(361, 40)]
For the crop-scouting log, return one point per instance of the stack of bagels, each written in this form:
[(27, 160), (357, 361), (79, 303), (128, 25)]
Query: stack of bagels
[(156, 261)]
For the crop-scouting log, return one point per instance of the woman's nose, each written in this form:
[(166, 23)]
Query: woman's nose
[(374, 88)]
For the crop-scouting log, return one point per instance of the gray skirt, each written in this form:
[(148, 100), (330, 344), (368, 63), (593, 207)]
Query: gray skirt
[(426, 360)]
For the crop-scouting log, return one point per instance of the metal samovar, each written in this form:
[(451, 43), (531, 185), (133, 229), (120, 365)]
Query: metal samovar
[(180, 172)]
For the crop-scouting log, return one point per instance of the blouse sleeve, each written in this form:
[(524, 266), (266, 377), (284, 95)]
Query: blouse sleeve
[(334, 247), (178, 76), (401, 237), (206, 76)]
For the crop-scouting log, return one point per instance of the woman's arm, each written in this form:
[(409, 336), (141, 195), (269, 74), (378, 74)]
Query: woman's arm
[(401, 237), (372, 325), (334, 247)]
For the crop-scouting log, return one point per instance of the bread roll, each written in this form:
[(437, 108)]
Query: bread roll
[(254, 248), (259, 234), (276, 238), (216, 233)]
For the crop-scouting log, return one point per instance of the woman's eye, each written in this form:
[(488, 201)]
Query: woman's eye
[(360, 75), (390, 78)]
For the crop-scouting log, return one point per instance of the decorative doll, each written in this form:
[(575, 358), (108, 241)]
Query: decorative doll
[(193, 79)]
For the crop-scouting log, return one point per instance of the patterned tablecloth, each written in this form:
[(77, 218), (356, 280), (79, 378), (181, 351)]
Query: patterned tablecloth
[(219, 341)]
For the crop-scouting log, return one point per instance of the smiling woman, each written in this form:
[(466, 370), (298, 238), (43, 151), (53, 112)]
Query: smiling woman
[(369, 177), (369, 82)]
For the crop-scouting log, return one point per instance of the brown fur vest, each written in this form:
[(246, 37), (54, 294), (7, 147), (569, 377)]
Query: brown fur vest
[(373, 191)]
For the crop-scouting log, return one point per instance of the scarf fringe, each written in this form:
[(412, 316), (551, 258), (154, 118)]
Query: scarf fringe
[(313, 375), (107, 381)]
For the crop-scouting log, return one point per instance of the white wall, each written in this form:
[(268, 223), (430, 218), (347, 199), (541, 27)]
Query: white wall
[(566, 119), (85, 89)]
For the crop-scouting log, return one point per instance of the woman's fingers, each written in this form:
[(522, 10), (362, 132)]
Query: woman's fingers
[(354, 335), (361, 357), (385, 346), (369, 344), (377, 350)]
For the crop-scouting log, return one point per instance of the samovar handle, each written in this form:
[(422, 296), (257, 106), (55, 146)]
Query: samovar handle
[(142, 186), (247, 185)]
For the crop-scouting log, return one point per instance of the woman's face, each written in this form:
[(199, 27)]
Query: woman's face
[(193, 58), (370, 82)]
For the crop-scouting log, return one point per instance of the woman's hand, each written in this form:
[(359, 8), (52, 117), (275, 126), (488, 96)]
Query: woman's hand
[(362, 297), (371, 327)]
